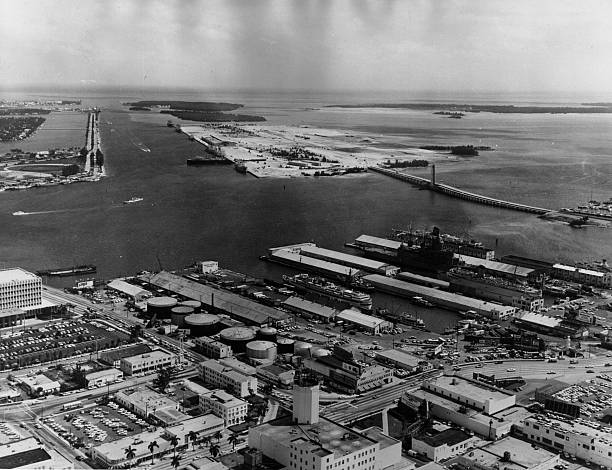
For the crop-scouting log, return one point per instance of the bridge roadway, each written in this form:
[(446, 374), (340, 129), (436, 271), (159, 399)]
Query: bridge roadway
[(459, 193)]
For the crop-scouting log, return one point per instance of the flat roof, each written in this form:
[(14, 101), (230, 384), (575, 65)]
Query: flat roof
[(155, 354), (222, 396), (588, 272), (227, 371), (114, 451), (522, 454), (145, 397), (496, 266), (16, 274), (317, 252), (354, 316), (466, 388), (127, 288), (310, 307), (102, 373), (118, 354), (197, 424), (399, 356), (382, 242), (308, 262), (450, 437), (468, 303), (539, 319), (408, 276), (235, 305), (24, 458), (238, 365), (11, 312)]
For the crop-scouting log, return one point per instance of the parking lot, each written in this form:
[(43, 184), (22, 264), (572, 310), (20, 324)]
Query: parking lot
[(96, 425), (8, 433)]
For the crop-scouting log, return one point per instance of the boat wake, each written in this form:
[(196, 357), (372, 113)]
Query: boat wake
[(44, 212)]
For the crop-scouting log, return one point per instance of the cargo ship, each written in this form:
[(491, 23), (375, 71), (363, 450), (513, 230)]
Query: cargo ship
[(132, 200), (211, 160), (324, 287), (74, 271)]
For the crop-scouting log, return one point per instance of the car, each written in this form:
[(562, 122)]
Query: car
[(590, 371), (551, 372), (511, 369)]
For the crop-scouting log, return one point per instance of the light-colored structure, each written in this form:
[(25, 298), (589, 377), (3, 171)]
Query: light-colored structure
[(583, 276), (147, 363), (309, 309), (112, 454), (238, 366), (202, 426), (103, 377), (277, 374), (19, 289), (306, 404), (28, 454), (443, 445), (583, 439), (144, 401), (227, 378), (135, 293), (231, 409), (403, 360), (365, 322), (352, 261), (113, 357), (39, 384), (212, 348), (510, 271), (474, 394), (509, 454)]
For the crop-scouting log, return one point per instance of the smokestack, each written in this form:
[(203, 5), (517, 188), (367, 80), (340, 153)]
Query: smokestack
[(433, 174)]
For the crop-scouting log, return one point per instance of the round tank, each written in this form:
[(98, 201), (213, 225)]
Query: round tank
[(237, 337), (302, 348), (261, 350), (202, 324), (196, 305), (285, 345), (178, 314), (267, 334), (161, 306), (321, 352)]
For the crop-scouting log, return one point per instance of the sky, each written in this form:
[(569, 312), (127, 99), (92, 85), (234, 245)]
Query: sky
[(386, 45)]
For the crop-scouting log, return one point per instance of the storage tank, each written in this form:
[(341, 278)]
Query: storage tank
[(237, 337), (285, 345), (196, 305), (302, 348), (202, 324), (261, 350), (160, 306), (178, 314), (267, 334)]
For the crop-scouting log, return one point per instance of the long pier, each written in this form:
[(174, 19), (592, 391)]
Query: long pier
[(458, 193)]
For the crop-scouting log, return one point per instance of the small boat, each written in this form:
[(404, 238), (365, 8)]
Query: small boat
[(19, 213), (132, 200)]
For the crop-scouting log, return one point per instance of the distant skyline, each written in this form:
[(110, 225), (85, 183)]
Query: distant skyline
[(325, 45)]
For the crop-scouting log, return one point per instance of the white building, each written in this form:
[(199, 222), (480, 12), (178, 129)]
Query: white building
[(222, 376), (404, 360), (231, 409), (443, 445), (146, 363), (211, 348), (39, 384), (144, 401), (28, 454), (137, 294), (112, 454), (365, 322), (202, 426), (19, 289), (583, 276), (583, 439), (103, 377)]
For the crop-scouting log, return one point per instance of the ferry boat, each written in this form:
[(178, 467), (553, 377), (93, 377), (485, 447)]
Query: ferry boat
[(76, 270), (421, 301), (323, 286), (19, 213), (132, 200)]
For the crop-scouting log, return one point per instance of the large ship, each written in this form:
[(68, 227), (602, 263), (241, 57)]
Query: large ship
[(323, 286), (73, 271), (207, 160), (132, 200)]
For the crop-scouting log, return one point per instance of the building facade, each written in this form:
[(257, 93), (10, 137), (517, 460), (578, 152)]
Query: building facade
[(147, 363), (211, 348), (221, 376), (220, 403), (19, 289)]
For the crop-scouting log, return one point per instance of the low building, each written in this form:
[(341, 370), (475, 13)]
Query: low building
[(310, 310), (144, 401), (238, 366), (212, 348), (509, 454), (103, 377), (276, 374), (438, 445), (233, 410), (586, 440), (403, 360), (8, 393), (201, 426), (29, 454), (218, 375), (135, 293), (112, 454), (582, 276), (365, 322), (38, 385), (114, 356), (147, 363)]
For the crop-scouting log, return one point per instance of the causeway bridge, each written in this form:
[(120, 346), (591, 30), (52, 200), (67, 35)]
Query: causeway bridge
[(456, 192)]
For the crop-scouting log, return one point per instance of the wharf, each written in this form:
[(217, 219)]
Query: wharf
[(459, 193)]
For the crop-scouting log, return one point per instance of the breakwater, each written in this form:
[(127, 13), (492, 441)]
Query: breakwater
[(458, 193)]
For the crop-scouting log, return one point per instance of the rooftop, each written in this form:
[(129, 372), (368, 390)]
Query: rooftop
[(197, 424), (152, 355), (16, 274), (229, 372), (476, 391), (129, 351), (101, 373), (322, 265), (382, 242), (310, 307), (147, 398), (401, 357), (360, 318), (505, 268), (588, 272), (235, 305), (317, 252), (127, 288), (450, 437), (115, 451), (221, 396), (238, 366), (522, 454), (170, 415), (539, 319)]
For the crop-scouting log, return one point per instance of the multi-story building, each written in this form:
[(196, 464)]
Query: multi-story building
[(306, 442), (103, 377), (212, 348), (222, 376), (442, 445), (233, 410), (585, 440), (346, 373), (19, 289), (147, 363), (581, 275), (144, 401), (39, 384)]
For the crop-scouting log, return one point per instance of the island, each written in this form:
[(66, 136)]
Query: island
[(201, 111), (139, 108), (203, 116), (602, 108), (406, 164), (18, 128)]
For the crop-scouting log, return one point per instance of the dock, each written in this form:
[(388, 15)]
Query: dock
[(458, 193)]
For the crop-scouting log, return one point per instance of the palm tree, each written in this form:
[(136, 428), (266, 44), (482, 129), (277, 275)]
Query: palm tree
[(174, 441), (152, 446), (206, 440), (130, 453), (233, 440), (176, 461), (214, 450), (193, 437), (218, 435)]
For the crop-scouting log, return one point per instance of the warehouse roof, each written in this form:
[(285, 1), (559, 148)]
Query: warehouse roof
[(310, 307), (116, 355), (127, 288), (400, 357), (588, 272), (344, 258), (235, 305), (382, 242), (539, 319), (313, 263), (505, 268), (359, 318), (449, 437)]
